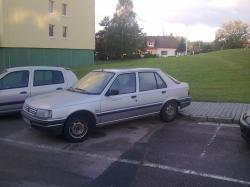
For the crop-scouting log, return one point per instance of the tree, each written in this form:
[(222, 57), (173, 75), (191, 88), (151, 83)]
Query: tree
[(101, 39), (182, 46), (232, 35), (121, 36)]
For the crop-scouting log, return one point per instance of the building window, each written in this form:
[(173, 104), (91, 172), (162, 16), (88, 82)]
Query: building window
[(65, 31), (164, 53), (51, 30), (64, 9), (51, 6), (150, 44)]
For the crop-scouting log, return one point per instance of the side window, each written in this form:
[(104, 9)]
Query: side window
[(18, 79), (160, 83), (47, 77), (147, 81), (125, 83)]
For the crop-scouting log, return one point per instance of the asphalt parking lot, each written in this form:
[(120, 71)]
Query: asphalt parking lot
[(144, 152)]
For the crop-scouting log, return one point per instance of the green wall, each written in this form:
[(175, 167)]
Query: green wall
[(13, 57)]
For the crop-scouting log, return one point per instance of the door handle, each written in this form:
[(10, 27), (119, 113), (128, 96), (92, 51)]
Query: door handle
[(133, 97), (163, 92), (23, 93), (59, 89)]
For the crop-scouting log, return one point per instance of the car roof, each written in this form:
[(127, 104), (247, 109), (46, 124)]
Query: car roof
[(34, 67), (129, 70)]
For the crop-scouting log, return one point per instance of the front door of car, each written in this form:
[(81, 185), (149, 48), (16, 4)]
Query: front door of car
[(14, 89), (121, 99), (47, 81), (152, 93)]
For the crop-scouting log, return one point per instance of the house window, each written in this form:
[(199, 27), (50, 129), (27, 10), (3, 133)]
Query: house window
[(65, 31), (150, 44), (51, 6), (64, 9), (51, 30), (164, 53)]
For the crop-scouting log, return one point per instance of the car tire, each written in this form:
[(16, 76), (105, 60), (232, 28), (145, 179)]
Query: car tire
[(169, 111), (76, 128)]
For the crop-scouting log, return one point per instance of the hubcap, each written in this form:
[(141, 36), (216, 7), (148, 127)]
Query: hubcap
[(78, 129), (170, 110)]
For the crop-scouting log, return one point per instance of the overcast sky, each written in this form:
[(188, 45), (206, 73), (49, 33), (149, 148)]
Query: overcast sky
[(197, 19)]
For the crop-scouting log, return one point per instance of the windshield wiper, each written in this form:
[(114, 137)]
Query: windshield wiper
[(81, 90)]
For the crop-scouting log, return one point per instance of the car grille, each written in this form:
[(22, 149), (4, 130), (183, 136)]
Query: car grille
[(29, 109)]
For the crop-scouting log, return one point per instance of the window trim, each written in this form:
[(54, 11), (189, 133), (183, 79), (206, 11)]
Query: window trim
[(157, 88), (16, 72), (123, 93), (47, 84)]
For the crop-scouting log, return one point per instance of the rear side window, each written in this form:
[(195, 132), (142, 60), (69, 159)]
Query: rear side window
[(147, 81), (47, 77), (18, 79), (151, 81), (160, 83)]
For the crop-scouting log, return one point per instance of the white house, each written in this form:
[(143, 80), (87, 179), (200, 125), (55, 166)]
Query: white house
[(163, 46)]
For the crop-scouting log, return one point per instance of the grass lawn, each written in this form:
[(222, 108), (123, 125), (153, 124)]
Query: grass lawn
[(216, 76)]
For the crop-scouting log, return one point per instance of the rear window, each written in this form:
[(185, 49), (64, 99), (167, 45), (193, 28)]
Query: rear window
[(47, 77)]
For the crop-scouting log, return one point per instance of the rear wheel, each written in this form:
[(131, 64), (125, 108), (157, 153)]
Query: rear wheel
[(76, 128), (169, 111)]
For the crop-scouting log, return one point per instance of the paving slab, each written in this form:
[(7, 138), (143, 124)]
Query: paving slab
[(215, 112)]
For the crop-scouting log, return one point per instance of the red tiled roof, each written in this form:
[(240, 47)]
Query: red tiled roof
[(163, 41)]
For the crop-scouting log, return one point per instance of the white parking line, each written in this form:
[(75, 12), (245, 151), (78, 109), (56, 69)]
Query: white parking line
[(134, 162), (218, 124), (203, 154)]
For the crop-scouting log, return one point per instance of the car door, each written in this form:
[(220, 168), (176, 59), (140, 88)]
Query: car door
[(14, 89), (47, 81), (152, 92), (121, 99)]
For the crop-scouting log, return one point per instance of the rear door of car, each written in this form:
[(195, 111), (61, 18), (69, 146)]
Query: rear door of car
[(152, 92), (123, 105), (14, 89), (46, 80)]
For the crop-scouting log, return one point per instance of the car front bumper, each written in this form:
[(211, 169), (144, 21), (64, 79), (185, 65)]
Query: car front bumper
[(184, 102), (52, 126), (245, 129)]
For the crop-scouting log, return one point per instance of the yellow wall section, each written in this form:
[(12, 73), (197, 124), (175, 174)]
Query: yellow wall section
[(1, 22), (26, 22)]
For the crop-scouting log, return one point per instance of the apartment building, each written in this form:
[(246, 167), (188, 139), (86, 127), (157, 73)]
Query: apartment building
[(47, 32)]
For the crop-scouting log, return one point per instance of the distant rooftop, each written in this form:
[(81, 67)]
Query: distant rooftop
[(163, 41)]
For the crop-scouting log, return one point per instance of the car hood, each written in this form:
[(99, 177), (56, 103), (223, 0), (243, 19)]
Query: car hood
[(60, 99)]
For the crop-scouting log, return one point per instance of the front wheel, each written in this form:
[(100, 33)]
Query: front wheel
[(169, 111), (76, 128)]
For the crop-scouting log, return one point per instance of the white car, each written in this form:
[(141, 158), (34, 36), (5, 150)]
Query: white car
[(17, 84), (107, 96)]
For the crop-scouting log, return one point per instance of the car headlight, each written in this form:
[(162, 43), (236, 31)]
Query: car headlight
[(43, 114)]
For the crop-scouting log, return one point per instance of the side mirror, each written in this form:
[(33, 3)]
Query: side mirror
[(112, 92)]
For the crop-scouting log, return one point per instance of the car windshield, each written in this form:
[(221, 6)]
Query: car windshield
[(93, 83)]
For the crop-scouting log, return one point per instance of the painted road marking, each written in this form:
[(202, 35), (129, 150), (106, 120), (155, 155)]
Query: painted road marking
[(133, 162), (203, 154), (217, 124)]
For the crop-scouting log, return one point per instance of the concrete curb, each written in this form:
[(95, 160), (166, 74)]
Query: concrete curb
[(210, 119)]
